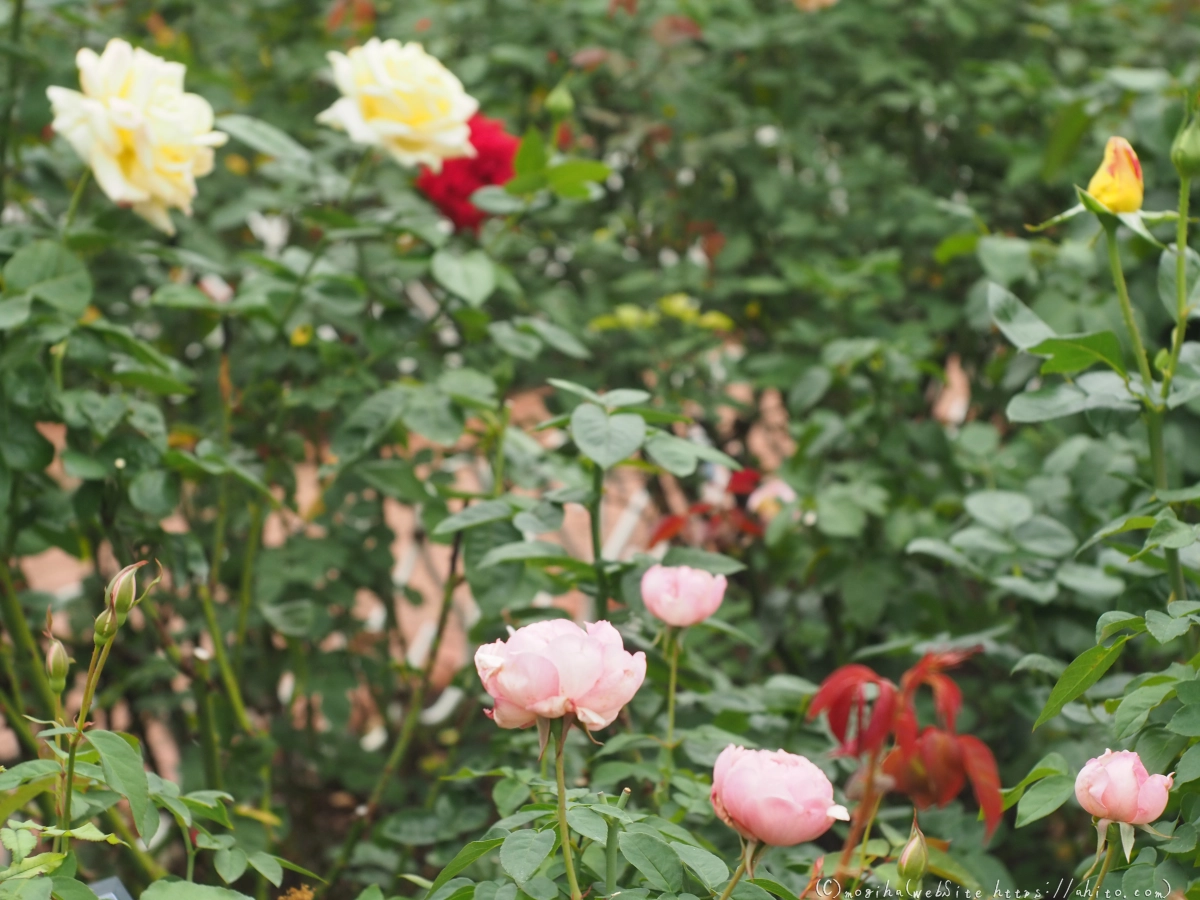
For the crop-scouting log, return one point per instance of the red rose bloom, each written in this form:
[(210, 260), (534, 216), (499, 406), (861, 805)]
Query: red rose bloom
[(450, 190)]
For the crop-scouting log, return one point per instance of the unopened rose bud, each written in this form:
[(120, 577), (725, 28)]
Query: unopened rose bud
[(1185, 152), (58, 665), (559, 102), (681, 596), (106, 627), (914, 858), (1118, 182), (121, 592)]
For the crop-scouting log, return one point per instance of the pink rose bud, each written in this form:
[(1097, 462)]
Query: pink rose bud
[(555, 668), (682, 596), (1117, 787), (774, 797)]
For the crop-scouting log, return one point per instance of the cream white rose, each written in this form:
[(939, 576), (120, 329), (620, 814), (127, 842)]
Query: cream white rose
[(398, 97), (144, 138)]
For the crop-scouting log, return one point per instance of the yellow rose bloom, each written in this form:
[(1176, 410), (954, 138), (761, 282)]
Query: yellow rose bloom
[(1118, 182), (398, 97), (144, 138)]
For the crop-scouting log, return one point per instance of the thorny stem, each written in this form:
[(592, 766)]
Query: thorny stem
[(1131, 325), (498, 447), (247, 589), (99, 658), (206, 724), (610, 847), (863, 816), (866, 836), (1158, 461), (561, 726), (28, 651), (76, 197), (207, 588), (1154, 413), (673, 640), (189, 847), (1157, 446), (597, 546), (737, 876), (672, 646), (228, 678), (1108, 858), (412, 716), (1181, 285)]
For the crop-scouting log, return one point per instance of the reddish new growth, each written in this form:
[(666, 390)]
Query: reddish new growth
[(718, 519), (450, 190), (932, 764)]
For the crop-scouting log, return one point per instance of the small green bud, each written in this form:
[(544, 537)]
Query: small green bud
[(559, 102), (1162, 359), (121, 593), (58, 665), (106, 627), (914, 859), (1185, 151)]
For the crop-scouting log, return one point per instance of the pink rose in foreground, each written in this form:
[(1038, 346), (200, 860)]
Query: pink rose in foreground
[(555, 668), (680, 595), (774, 797), (1117, 787)]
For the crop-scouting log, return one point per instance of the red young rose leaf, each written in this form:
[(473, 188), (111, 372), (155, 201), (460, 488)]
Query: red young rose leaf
[(843, 694), (981, 769), (668, 528)]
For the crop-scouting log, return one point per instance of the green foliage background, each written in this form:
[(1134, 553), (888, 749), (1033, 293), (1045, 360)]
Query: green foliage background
[(868, 168)]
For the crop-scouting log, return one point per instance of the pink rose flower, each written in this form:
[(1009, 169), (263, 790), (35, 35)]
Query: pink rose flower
[(555, 668), (774, 797), (680, 595), (1117, 787)]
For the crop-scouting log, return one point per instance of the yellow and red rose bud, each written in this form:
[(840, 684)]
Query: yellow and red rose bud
[(914, 858), (106, 627), (58, 666), (1185, 151), (1118, 182)]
